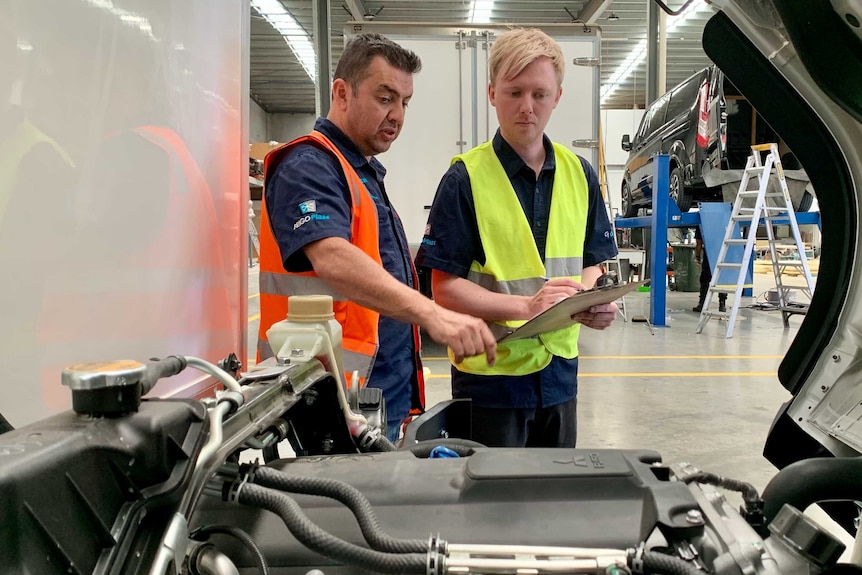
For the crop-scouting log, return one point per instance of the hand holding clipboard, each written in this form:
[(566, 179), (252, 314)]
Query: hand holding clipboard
[(559, 315)]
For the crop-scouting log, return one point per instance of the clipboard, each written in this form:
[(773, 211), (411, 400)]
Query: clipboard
[(560, 314)]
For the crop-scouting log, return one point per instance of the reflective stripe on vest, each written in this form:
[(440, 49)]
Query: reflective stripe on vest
[(13, 150), (359, 324), (512, 261), (282, 283)]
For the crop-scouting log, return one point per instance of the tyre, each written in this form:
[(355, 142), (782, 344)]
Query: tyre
[(804, 203), (628, 208), (678, 192)]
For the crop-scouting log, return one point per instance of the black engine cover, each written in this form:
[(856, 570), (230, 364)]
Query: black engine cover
[(565, 497)]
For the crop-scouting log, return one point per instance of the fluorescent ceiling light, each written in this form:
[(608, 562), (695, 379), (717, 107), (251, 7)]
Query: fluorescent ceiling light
[(480, 12), (638, 53), (297, 38)]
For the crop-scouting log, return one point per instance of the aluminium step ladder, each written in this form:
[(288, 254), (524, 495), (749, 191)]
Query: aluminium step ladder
[(615, 261), (772, 207)]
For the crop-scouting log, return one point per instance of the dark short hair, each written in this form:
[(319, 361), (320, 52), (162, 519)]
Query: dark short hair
[(361, 50)]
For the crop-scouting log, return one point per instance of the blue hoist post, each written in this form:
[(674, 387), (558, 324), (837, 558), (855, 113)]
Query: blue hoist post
[(665, 214), (658, 241)]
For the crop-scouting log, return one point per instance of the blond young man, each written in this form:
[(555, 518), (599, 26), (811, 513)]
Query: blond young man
[(507, 216)]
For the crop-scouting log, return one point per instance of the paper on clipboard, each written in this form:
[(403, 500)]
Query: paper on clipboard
[(560, 314)]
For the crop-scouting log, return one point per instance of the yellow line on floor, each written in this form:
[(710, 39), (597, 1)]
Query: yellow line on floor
[(253, 317), (653, 357), (656, 374), (254, 295), (683, 374), (681, 357)]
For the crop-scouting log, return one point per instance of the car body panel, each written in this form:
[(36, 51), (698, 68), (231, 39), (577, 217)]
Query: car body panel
[(775, 54)]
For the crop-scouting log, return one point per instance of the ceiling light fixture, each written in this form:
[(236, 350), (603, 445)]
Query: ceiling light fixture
[(480, 12), (294, 34), (638, 53), (613, 17)]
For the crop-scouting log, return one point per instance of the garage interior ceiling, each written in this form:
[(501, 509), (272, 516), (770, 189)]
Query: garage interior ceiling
[(280, 84)]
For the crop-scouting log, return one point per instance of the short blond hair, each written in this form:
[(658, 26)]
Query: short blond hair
[(516, 49)]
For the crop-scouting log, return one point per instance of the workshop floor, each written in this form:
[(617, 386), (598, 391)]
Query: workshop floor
[(692, 397)]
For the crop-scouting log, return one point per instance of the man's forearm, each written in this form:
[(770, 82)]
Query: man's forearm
[(353, 274), (590, 275), (462, 295)]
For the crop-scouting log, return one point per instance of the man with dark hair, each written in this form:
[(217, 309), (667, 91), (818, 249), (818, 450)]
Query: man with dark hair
[(354, 64), (328, 227)]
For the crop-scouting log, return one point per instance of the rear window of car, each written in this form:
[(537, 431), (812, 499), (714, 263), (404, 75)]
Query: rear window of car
[(684, 98), (657, 115)]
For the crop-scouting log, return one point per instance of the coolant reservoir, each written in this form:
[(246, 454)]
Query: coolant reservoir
[(310, 331)]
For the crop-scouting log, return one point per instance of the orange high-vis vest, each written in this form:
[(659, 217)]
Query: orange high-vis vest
[(359, 324)]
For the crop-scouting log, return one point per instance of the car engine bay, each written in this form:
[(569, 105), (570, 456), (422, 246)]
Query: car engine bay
[(167, 486)]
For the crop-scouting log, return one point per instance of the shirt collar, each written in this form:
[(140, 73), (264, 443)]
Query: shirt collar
[(347, 148), (512, 162)]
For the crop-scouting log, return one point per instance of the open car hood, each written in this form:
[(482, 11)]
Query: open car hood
[(800, 65)]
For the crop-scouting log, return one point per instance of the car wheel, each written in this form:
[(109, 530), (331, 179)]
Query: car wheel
[(629, 210), (678, 192), (804, 203)]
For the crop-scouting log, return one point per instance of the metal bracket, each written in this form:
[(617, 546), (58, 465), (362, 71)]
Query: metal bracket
[(590, 61), (585, 143)]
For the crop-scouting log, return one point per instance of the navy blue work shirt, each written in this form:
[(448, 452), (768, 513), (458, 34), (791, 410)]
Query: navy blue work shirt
[(451, 244), (309, 174)]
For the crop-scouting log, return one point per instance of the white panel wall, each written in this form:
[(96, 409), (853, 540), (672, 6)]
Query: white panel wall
[(123, 189), (440, 115), (286, 127), (257, 123), (615, 123), (430, 134)]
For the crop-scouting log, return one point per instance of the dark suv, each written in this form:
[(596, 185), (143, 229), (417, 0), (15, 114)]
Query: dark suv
[(706, 128), (686, 124)]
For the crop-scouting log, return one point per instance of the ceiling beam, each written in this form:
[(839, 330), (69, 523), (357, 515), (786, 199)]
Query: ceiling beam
[(357, 9), (592, 10)]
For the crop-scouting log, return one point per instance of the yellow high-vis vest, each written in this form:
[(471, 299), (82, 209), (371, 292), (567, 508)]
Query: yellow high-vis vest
[(512, 261)]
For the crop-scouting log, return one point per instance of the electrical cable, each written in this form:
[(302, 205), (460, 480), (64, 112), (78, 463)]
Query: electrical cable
[(749, 493), (752, 511), (670, 12), (203, 532)]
